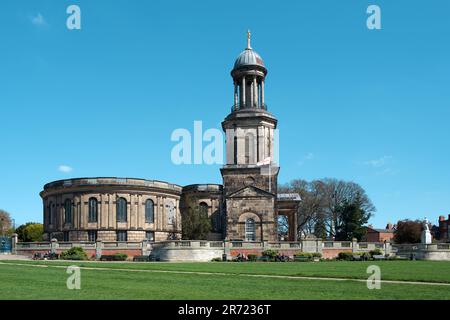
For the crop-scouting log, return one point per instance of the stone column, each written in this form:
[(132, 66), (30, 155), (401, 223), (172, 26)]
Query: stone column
[(235, 95), (14, 240), (133, 222), (83, 223), (262, 93), (243, 91), (111, 211), (54, 245), (140, 213), (255, 92), (355, 245), (98, 248)]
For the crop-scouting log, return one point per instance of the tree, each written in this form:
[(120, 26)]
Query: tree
[(310, 206), (335, 195), (30, 232), (283, 226), (195, 223), (320, 230), (5, 222), (321, 211), (352, 220), (408, 231)]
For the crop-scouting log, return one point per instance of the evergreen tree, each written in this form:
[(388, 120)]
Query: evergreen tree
[(196, 223), (353, 218)]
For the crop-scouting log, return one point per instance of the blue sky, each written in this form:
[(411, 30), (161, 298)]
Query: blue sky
[(370, 106)]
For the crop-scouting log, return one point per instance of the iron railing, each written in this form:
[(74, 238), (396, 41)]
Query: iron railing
[(240, 106)]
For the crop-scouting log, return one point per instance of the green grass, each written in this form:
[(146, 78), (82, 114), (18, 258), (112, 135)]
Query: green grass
[(28, 282)]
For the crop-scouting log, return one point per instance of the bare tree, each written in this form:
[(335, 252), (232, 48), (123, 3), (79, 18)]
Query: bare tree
[(335, 193), (310, 206), (318, 211), (5, 222)]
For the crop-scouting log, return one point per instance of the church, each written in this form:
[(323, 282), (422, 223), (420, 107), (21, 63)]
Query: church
[(245, 207)]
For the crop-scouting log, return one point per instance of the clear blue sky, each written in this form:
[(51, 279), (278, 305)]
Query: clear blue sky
[(355, 104)]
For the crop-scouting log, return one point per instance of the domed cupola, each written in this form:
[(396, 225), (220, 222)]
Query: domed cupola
[(248, 75), (248, 57)]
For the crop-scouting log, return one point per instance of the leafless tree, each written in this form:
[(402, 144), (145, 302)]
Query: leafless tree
[(5, 222), (321, 200)]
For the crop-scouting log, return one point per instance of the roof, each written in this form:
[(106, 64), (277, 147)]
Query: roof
[(382, 230), (289, 196), (248, 57)]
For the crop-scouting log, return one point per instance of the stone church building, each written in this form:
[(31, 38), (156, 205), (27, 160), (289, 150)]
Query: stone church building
[(246, 207)]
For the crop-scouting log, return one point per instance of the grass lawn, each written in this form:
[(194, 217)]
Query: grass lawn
[(232, 280)]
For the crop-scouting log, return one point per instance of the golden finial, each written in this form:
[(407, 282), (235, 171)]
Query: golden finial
[(248, 39)]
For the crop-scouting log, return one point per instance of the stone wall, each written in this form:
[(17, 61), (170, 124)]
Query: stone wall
[(106, 192)]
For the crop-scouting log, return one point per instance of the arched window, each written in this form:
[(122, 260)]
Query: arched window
[(51, 213), (93, 210), (121, 210), (250, 232), (68, 211), (203, 208), (149, 211)]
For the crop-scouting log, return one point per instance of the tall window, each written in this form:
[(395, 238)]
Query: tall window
[(203, 209), (68, 211), (150, 235), (66, 236), (149, 215), (93, 209), (249, 148), (92, 235), (121, 210), (121, 235), (51, 213), (250, 232)]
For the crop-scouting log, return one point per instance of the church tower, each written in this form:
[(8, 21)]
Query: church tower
[(250, 174)]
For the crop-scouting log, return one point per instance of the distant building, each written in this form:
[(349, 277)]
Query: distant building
[(444, 228), (380, 235)]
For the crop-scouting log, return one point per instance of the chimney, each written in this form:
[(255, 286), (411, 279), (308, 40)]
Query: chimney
[(441, 218), (389, 226)]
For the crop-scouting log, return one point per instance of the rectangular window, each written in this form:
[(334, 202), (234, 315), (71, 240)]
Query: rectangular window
[(121, 235), (65, 236), (92, 235), (150, 235)]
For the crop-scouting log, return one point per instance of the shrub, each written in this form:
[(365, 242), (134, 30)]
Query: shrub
[(347, 256), (114, 257), (375, 252), (252, 257), (317, 255), (216, 259), (304, 254), (366, 256), (120, 257), (75, 253), (270, 253)]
